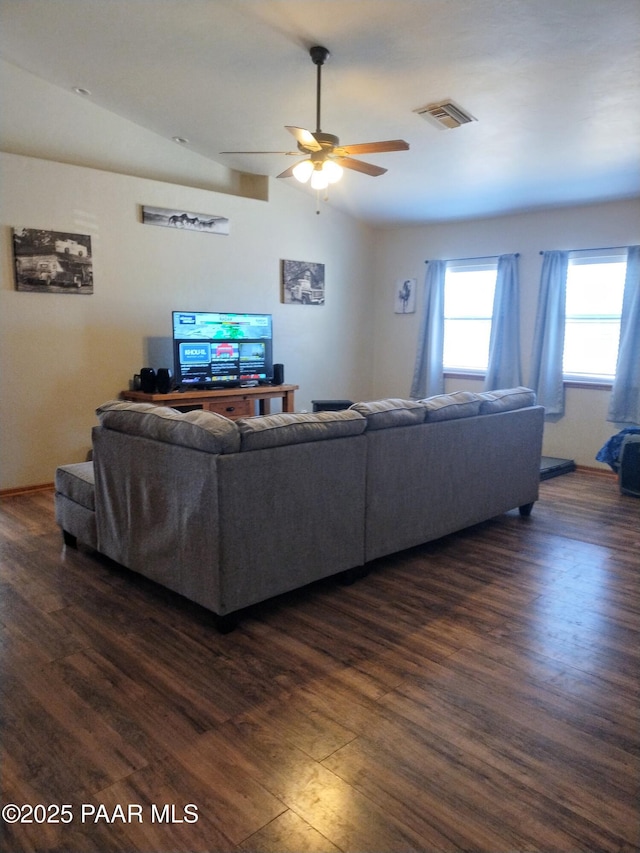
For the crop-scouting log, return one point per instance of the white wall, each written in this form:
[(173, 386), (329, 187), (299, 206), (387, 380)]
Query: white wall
[(401, 253), (70, 165), (61, 355), (87, 170), (45, 121)]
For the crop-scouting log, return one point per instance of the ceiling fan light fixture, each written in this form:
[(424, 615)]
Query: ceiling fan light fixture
[(302, 171), (319, 179), (332, 170)]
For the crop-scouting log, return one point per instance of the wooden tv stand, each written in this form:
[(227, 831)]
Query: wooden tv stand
[(231, 402)]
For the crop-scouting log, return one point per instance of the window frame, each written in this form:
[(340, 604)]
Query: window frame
[(587, 257), (469, 266)]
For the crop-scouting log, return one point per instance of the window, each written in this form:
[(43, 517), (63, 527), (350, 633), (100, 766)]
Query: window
[(595, 286), (468, 308)]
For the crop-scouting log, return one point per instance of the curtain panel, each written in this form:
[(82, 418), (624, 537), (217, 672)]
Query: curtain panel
[(548, 337), (428, 374), (504, 369), (624, 406)]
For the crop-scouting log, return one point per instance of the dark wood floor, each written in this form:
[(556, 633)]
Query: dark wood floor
[(478, 694)]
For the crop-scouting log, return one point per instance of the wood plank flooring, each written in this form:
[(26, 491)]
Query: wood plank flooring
[(479, 693)]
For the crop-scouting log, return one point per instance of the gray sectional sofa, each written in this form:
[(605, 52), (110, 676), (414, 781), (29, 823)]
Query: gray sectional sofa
[(230, 513)]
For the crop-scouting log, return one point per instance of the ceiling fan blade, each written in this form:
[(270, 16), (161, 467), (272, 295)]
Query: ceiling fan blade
[(374, 147), (360, 166), (305, 138), (288, 173)]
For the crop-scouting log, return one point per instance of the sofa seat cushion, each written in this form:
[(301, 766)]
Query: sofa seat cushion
[(296, 428), (200, 430), (446, 407), (393, 412), (506, 400), (76, 482)]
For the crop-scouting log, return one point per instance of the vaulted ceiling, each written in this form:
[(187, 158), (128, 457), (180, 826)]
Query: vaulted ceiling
[(554, 86)]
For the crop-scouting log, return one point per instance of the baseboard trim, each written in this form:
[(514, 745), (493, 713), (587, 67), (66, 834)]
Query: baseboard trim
[(602, 472), (25, 490)]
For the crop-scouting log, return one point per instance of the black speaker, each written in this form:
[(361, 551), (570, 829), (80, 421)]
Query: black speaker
[(278, 374), (331, 405), (148, 380), (630, 466), (164, 380)]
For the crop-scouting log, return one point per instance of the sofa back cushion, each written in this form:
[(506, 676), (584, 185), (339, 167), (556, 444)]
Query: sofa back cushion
[(199, 429), (506, 400), (393, 412), (296, 428), (446, 407)]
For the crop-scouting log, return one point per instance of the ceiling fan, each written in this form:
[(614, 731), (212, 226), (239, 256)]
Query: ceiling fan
[(326, 157)]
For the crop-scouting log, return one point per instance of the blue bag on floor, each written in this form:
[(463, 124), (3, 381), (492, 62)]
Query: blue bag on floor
[(610, 452)]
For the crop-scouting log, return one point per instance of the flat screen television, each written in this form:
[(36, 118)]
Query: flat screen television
[(214, 350)]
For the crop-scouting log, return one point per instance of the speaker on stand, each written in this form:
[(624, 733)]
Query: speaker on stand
[(164, 380), (148, 380), (278, 374)]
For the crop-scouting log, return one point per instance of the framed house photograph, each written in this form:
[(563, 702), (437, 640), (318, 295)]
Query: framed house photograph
[(52, 261), (302, 283), (184, 220), (405, 296)]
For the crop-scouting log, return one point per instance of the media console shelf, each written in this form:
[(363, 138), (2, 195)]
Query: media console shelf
[(231, 402)]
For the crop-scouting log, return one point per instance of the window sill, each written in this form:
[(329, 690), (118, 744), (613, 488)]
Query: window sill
[(595, 385), (462, 374), (592, 385)]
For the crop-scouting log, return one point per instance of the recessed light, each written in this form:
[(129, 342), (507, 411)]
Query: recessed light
[(80, 91), (180, 140)]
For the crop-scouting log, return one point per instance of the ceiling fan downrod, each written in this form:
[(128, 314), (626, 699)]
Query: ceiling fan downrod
[(319, 56)]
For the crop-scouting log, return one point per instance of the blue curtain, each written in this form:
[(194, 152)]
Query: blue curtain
[(428, 374), (548, 335), (624, 406), (504, 369)]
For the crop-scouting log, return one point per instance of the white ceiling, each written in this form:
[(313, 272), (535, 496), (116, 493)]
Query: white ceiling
[(554, 85)]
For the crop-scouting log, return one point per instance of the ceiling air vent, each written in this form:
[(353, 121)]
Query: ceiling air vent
[(445, 114)]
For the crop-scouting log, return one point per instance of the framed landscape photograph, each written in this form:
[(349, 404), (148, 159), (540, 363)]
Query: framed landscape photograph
[(52, 261), (302, 283), (184, 220)]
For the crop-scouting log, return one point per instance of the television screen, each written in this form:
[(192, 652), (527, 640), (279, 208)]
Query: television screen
[(216, 350)]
